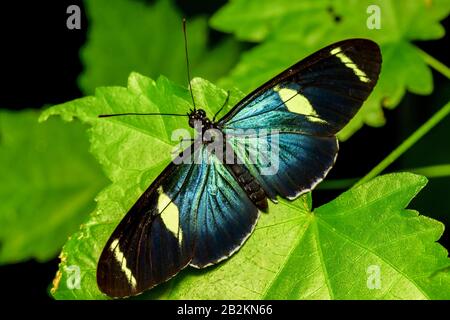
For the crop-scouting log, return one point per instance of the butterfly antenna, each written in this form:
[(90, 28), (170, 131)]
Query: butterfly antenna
[(187, 61), (141, 114)]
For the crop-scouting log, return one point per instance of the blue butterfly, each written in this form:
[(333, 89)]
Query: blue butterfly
[(201, 209)]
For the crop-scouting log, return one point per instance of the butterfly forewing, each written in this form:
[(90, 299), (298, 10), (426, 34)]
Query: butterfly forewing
[(150, 245), (317, 96)]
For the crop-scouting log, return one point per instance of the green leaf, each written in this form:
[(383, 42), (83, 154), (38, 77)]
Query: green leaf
[(331, 253), (254, 20), (49, 181), (293, 253), (292, 31), (126, 36)]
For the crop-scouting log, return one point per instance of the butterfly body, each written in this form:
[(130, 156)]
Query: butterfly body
[(199, 121), (279, 141)]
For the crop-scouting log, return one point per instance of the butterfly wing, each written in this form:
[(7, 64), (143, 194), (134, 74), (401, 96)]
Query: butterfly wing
[(324, 91), (149, 245), (225, 216), (303, 108), (194, 213), (286, 164)]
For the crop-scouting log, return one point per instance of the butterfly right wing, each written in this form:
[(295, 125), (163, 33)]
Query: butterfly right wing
[(194, 213)]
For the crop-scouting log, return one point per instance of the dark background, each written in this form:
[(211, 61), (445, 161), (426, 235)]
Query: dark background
[(39, 65)]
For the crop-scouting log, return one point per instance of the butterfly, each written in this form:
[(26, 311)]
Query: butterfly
[(200, 212)]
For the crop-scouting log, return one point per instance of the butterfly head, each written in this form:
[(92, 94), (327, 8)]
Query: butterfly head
[(198, 120)]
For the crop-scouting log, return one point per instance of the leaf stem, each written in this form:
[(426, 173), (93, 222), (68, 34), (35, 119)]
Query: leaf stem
[(435, 171), (435, 64), (408, 143)]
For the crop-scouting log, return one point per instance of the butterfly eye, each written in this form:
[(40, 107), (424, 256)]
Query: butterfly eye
[(201, 113)]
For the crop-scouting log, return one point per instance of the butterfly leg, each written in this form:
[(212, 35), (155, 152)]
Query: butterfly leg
[(223, 106)]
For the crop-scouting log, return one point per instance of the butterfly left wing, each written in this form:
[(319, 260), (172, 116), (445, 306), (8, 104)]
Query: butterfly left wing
[(150, 244), (194, 213), (302, 109)]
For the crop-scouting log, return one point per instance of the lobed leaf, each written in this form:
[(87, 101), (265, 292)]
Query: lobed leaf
[(294, 253)]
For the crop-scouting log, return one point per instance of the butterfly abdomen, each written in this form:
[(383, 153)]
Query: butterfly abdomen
[(250, 185)]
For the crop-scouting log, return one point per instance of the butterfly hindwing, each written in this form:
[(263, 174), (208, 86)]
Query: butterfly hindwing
[(194, 213), (286, 164), (226, 216)]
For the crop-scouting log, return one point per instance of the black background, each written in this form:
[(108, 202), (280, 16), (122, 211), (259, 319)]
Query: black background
[(40, 63)]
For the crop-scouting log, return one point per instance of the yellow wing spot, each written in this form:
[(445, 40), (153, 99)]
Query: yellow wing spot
[(170, 215), (297, 103), (350, 64), (120, 258)]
